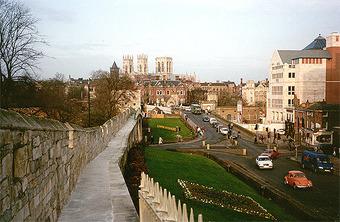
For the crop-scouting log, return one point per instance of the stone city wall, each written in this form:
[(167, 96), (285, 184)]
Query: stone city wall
[(41, 160)]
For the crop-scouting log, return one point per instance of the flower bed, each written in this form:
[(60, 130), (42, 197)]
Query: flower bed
[(224, 199)]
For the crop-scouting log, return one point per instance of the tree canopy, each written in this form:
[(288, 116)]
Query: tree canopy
[(18, 38)]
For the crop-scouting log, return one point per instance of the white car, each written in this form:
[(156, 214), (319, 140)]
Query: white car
[(212, 121), (224, 131), (280, 131), (264, 162)]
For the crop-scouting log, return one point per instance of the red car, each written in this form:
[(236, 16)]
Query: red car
[(297, 179), (271, 153)]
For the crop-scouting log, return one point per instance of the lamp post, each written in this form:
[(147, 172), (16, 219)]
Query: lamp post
[(88, 100)]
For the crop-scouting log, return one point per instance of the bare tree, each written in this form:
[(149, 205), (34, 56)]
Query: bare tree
[(111, 92), (18, 36)]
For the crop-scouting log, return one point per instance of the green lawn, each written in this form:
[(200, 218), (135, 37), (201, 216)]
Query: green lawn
[(166, 167), (167, 135)]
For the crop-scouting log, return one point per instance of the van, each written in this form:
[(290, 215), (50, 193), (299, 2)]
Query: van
[(316, 162)]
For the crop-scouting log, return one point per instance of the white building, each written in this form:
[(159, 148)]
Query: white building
[(296, 73), (255, 93)]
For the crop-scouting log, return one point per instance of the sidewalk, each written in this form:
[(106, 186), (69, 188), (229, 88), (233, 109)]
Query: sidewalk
[(101, 193)]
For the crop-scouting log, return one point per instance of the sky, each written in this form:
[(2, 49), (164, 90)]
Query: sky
[(215, 39)]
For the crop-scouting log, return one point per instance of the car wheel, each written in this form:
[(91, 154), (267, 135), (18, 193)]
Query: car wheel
[(294, 185), (303, 166), (285, 182)]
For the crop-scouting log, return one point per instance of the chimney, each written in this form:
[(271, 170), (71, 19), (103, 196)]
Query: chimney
[(267, 81), (241, 81)]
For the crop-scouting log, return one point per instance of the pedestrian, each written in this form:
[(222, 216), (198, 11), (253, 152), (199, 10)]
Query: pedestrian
[(255, 139), (149, 130), (160, 140), (203, 129), (152, 140), (334, 151)]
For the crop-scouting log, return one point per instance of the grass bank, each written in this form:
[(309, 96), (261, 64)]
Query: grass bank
[(167, 167), (168, 135)]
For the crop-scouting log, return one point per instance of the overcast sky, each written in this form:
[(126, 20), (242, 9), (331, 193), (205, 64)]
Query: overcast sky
[(218, 40)]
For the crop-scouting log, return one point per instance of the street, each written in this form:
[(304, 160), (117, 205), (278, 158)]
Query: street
[(323, 197)]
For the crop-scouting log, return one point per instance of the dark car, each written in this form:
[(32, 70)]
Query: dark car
[(206, 119), (216, 124)]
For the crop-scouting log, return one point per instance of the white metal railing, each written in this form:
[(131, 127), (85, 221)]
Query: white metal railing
[(157, 204)]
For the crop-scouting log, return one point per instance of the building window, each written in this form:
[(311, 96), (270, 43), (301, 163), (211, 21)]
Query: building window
[(291, 75), (291, 90), (277, 90), (162, 66), (168, 92), (277, 103), (290, 102), (337, 38), (159, 67), (157, 92)]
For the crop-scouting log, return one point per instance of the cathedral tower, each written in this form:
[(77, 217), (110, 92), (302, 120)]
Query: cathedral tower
[(128, 64), (142, 64), (164, 67)]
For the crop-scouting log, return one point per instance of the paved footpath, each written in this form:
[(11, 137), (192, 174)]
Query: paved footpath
[(101, 193)]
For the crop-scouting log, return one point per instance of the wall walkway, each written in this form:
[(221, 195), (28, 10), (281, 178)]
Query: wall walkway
[(101, 193), (42, 159)]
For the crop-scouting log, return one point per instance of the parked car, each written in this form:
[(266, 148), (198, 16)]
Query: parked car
[(205, 119), (316, 162), (219, 127), (264, 162), (297, 179), (280, 131), (271, 153), (212, 120), (224, 131), (216, 124)]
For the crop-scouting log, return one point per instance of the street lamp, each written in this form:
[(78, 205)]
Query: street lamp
[(88, 100)]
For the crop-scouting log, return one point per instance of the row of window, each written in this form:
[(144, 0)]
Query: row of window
[(168, 67), (280, 75), (311, 61), (277, 116), (162, 92), (277, 76)]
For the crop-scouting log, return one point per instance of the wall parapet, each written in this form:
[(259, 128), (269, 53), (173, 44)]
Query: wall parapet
[(156, 204), (41, 160)]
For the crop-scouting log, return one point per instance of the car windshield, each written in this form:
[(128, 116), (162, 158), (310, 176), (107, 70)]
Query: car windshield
[(264, 159), (268, 151), (299, 175), (322, 160)]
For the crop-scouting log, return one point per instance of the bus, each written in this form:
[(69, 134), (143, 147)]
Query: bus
[(196, 109)]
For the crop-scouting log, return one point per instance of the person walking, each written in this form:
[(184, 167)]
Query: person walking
[(255, 139), (160, 140)]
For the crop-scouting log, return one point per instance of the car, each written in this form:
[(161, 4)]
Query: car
[(205, 119), (212, 120), (224, 131), (280, 131), (271, 153), (264, 162), (297, 179), (188, 109), (219, 127), (316, 161), (215, 124)]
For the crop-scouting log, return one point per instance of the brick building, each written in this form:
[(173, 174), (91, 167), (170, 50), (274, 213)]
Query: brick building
[(163, 92)]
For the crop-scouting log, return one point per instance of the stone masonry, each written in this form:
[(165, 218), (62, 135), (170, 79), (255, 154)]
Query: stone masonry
[(41, 161)]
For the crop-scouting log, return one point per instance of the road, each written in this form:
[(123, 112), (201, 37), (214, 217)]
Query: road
[(323, 197)]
